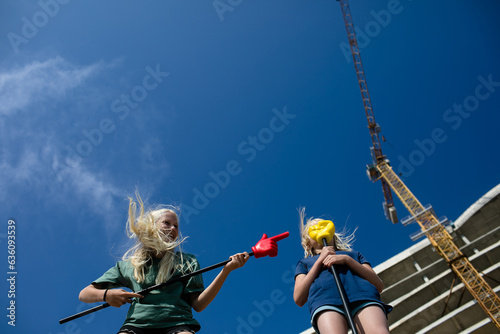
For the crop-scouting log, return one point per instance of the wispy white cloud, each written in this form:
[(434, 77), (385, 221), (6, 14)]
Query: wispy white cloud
[(153, 156), (88, 186), (33, 170), (30, 146), (33, 158), (40, 81)]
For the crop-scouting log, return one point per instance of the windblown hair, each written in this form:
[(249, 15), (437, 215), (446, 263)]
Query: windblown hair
[(150, 242), (342, 240)]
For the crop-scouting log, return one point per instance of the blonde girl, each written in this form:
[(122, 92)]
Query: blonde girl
[(155, 258), (315, 285)]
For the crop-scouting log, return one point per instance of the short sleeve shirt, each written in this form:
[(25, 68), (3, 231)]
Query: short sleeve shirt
[(162, 308), (323, 290)]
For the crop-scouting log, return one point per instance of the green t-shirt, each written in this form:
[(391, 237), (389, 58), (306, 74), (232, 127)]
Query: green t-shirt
[(166, 307)]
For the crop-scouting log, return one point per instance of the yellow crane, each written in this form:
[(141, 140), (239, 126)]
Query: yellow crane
[(424, 216)]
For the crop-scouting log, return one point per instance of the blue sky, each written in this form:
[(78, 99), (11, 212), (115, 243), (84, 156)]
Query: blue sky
[(241, 112)]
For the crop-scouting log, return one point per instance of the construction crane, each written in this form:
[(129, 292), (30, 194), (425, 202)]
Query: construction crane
[(430, 226)]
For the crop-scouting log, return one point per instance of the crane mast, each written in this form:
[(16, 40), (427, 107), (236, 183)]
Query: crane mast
[(430, 226), (377, 155)]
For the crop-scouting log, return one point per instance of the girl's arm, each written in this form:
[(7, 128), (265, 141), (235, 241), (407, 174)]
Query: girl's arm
[(115, 297), (363, 270), (202, 300), (303, 282)]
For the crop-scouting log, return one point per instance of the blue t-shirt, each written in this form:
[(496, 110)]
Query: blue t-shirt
[(323, 290)]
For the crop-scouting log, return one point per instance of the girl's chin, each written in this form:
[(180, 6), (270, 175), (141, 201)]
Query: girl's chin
[(168, 238)]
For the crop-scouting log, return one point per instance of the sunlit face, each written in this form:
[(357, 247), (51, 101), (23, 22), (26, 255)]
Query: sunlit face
[(169, 225)]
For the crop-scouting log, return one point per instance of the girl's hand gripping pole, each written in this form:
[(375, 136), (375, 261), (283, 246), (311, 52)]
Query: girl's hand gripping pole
[(322, 233)]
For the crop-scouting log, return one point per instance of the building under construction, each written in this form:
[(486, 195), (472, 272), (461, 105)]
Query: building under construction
[(426, 294)]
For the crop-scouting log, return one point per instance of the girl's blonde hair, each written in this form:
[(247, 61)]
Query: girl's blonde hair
[(342, 240), (150, 241)]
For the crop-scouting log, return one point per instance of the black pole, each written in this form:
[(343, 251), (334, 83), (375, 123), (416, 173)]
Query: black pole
[(151, 288), (343, 295)]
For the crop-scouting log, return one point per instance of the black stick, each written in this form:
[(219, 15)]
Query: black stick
[(343, 295), (151, 288)]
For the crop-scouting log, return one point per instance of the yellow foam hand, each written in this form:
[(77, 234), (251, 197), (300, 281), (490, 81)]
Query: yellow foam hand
[(322, 230)]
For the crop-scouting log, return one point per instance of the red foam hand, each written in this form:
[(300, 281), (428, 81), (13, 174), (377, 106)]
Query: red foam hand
[(268, 246)]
